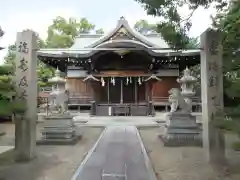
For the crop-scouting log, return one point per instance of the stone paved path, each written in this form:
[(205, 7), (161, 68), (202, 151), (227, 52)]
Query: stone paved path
[(119, 155)]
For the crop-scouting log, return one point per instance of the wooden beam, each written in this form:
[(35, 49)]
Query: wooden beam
[(121, 74)]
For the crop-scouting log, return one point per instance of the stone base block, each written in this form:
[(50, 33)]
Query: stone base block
[(176, 140), (181, 129), (70, 141), (53, 134), (59, 130)]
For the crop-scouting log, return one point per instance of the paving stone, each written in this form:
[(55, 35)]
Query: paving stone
[(118, 156)]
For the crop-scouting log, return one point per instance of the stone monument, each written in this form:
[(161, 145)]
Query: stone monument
[(59, 126), (181, 128), (212, 95), (26, 87)]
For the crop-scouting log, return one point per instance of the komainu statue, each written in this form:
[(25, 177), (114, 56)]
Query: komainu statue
[(178, 103), (58, 101)]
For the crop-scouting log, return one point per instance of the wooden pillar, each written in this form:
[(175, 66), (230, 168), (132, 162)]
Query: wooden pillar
[(94, 89), (212, 95), (147, 91), (150, 89), (121, 97), (136, 91), (108, 88)]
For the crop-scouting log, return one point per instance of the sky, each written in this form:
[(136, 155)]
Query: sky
[(18, 15)]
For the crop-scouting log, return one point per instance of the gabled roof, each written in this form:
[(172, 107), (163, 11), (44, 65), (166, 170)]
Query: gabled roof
[(94, 40), (122, 36)]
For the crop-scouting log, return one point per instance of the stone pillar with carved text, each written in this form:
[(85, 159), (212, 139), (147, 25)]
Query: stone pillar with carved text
[(212, 95), (26, 87)]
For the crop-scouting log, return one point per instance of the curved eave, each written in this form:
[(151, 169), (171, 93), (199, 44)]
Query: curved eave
[(83, 53)]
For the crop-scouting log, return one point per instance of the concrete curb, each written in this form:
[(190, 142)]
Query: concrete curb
[(151, 173), (89, 154)]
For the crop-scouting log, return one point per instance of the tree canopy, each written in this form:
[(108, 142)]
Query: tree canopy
[(143, 26), (228, 21), (173, 27), (61, 34)]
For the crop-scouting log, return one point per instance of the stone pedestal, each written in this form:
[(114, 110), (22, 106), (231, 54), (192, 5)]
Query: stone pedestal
[(59, 130), (181, 129)]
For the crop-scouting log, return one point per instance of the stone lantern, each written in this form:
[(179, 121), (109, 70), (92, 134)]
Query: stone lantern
[(58, 83), (181, 128), (59, 96), (59, 127), (187, 83), (187, 86)]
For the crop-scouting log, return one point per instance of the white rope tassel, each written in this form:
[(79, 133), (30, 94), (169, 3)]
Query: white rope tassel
[(113, 81), (139, 81), (102, 81)]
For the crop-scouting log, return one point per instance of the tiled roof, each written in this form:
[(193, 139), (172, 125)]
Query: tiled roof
[(86, 45), (93, 40)]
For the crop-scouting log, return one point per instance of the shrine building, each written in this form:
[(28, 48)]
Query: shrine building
[(122, 72)]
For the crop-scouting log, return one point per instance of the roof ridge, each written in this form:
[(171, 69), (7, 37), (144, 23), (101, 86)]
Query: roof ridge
[(123, 22), (88, 35)]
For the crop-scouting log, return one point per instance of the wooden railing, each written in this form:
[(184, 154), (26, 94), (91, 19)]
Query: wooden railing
[(80, 100), (125, 109), (165, 99), (163, 102), (88, 100)]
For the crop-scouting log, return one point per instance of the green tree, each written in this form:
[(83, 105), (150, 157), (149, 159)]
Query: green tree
[(99, 31), (11, 55), (6, 90), (144, 26), (1, 34), (228, 21), (173, 27), (62, 32)]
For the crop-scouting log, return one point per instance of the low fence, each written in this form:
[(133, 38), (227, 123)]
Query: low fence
[(83, 100), (164, 102), (78, 101)]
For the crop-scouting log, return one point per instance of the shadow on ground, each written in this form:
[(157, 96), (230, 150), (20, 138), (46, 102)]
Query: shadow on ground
[(52, 162), (186, 163)]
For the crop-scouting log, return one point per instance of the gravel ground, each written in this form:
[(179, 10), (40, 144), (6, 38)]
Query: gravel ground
[(182, 163), (52, 162)]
